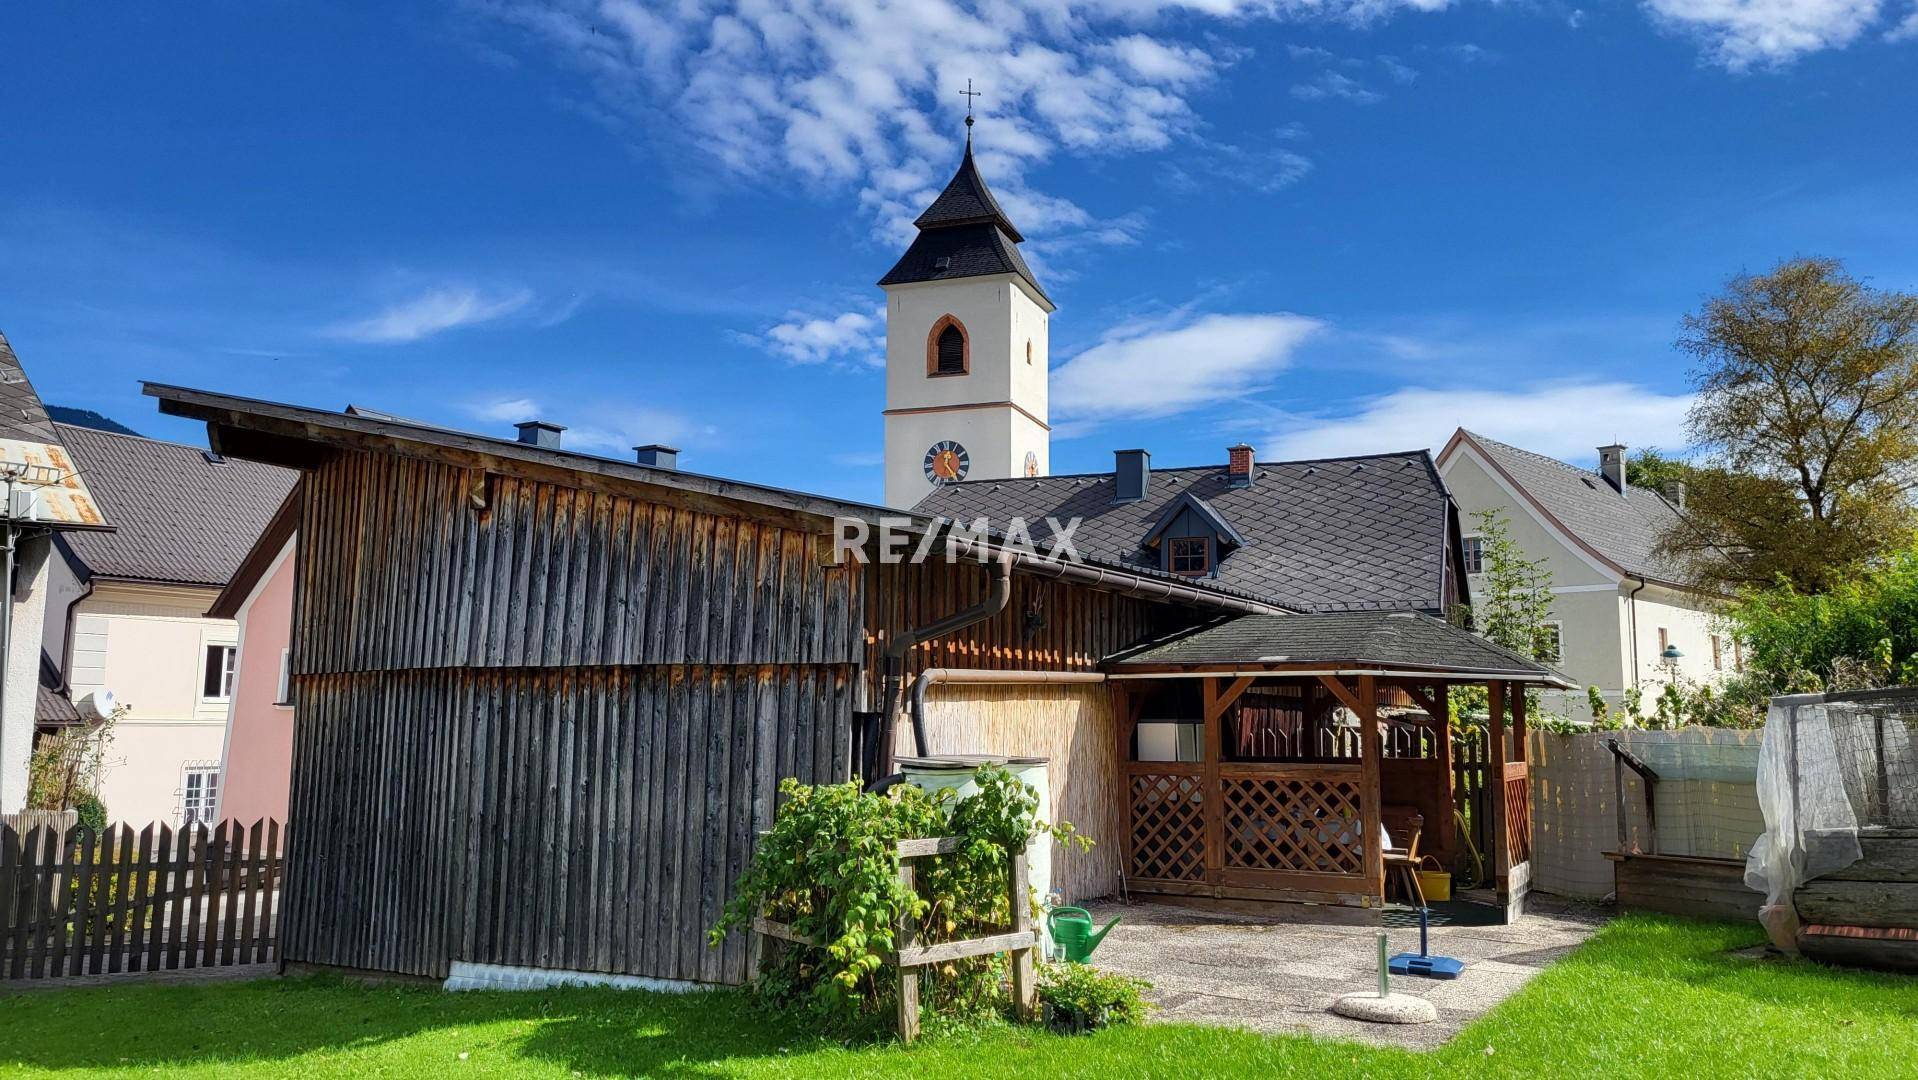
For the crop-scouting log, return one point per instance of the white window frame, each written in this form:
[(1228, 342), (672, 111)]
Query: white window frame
[(230, 674), (1558, 641), (283, 697), (1465, 553), (205, 809)]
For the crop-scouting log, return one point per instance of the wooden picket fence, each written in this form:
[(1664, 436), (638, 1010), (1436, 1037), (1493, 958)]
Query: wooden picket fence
[(73, 903)]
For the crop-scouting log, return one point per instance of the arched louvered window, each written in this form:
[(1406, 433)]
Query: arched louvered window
[(947, 350), (952, 351)]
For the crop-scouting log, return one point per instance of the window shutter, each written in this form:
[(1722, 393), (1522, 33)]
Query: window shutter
[(952, 351)]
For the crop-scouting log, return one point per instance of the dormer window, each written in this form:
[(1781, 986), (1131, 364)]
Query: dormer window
[(948, 352), (1191, 537), (1190, 555)]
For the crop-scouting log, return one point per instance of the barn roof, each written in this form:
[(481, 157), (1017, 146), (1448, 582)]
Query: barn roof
[(181, 516), (301, 437), (1379, 642), (1330, 534)]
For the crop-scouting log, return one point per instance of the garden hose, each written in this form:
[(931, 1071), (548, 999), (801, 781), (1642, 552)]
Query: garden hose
[(1478, 861)]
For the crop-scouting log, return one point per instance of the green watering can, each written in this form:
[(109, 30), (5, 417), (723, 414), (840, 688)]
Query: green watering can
[(1071, 929)]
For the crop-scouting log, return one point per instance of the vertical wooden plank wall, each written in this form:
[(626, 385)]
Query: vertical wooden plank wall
[(541, 726)]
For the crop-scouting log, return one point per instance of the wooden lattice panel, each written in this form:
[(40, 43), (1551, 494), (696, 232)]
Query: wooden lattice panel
[(1518, 819), (1168, 828), (1302, 826)]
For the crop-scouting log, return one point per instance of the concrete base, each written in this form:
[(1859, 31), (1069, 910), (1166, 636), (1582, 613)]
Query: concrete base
[(1391, 1009)]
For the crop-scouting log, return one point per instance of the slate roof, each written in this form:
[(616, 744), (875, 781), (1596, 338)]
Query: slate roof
[(1392, 640), (22, 416), (963, 234), (52, 705), (967, 201), (1332, 534), (178, 517), (1623, 529)]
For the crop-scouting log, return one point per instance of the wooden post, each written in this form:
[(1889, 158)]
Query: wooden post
[(1495, 784), (1442, 749), (1519, 751), (906, 937), (1211, 795), (1371, 793), (1124, 723), (1025, 991)]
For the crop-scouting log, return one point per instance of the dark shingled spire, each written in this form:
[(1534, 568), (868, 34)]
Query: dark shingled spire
[(967, 201), (963, 233)]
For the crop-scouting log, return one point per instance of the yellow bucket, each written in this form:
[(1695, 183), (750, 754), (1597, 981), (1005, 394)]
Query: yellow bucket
[(1435, 884)]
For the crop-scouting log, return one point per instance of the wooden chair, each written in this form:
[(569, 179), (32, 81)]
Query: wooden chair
[(1403, 826)]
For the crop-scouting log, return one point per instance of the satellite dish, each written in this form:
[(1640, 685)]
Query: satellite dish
[(97, 705)]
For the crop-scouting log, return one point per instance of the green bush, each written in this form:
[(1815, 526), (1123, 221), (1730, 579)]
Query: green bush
[(829, 868), (1078, 998), (1862, 632), (92, 813)]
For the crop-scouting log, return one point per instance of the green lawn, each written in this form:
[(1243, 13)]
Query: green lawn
[(1646, 997)]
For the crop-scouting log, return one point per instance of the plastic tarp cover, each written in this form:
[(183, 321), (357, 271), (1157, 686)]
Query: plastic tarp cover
[(1810, 828)]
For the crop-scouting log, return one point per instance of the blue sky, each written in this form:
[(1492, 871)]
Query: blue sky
[(1321, 227)]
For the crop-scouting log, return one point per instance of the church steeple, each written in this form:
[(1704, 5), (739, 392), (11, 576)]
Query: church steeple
[(964, 233), (966, 347)]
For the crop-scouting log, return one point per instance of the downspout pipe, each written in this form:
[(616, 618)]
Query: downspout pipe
[(905, 641), (972, 676), (1631, 607)]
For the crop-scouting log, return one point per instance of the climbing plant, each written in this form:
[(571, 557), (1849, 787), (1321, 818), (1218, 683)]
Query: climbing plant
[(829, 868)]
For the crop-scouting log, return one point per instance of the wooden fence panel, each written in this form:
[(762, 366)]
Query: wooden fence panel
[(76, 903)]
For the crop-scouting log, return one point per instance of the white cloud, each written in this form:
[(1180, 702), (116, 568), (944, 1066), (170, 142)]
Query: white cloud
[(609, 429), (1335, 84), (856, 336), (1905, 31), (1141, 372), (1741, 34), (864, 94), (507, 410), (1566, 420), (431, 313)]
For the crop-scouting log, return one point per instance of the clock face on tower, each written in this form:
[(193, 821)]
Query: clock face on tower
[(947, 462)]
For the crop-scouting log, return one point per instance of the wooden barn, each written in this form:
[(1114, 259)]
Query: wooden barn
[(544, 699)]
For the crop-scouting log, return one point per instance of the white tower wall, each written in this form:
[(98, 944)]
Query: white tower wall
[(997, 410)]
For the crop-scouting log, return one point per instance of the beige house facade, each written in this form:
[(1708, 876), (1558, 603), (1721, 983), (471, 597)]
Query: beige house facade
[(1624, 616), (127, 613)]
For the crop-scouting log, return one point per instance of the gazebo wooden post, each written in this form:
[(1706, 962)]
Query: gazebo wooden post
[(1442, 745), (1214, 813), (1495, 785), (1373, 792)]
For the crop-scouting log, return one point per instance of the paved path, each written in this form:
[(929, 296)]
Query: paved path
[(1278, 976)]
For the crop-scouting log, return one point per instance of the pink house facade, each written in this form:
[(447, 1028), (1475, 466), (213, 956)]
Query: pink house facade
[(257, 756)]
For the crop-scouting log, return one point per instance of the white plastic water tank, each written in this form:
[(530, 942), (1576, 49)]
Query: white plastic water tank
[(955, 772)]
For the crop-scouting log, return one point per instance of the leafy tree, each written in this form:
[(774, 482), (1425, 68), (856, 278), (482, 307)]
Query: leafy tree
[(1808, 396), (1515, 594), (1510, 608), (1859, 633), (1653, 468)]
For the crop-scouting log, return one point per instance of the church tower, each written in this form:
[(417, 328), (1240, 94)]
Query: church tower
[(966, 348)]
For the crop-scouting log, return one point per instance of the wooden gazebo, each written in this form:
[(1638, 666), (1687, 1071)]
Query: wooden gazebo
[(1266, 758)]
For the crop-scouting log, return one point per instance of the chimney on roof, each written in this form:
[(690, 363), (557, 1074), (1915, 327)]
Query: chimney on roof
[(1131, 475), (540, 433), (1238, 465), (1611, 464), (657, 456), (1675, 493)]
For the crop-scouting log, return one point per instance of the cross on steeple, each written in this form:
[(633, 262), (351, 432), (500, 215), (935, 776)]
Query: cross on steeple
[(968, 92)]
